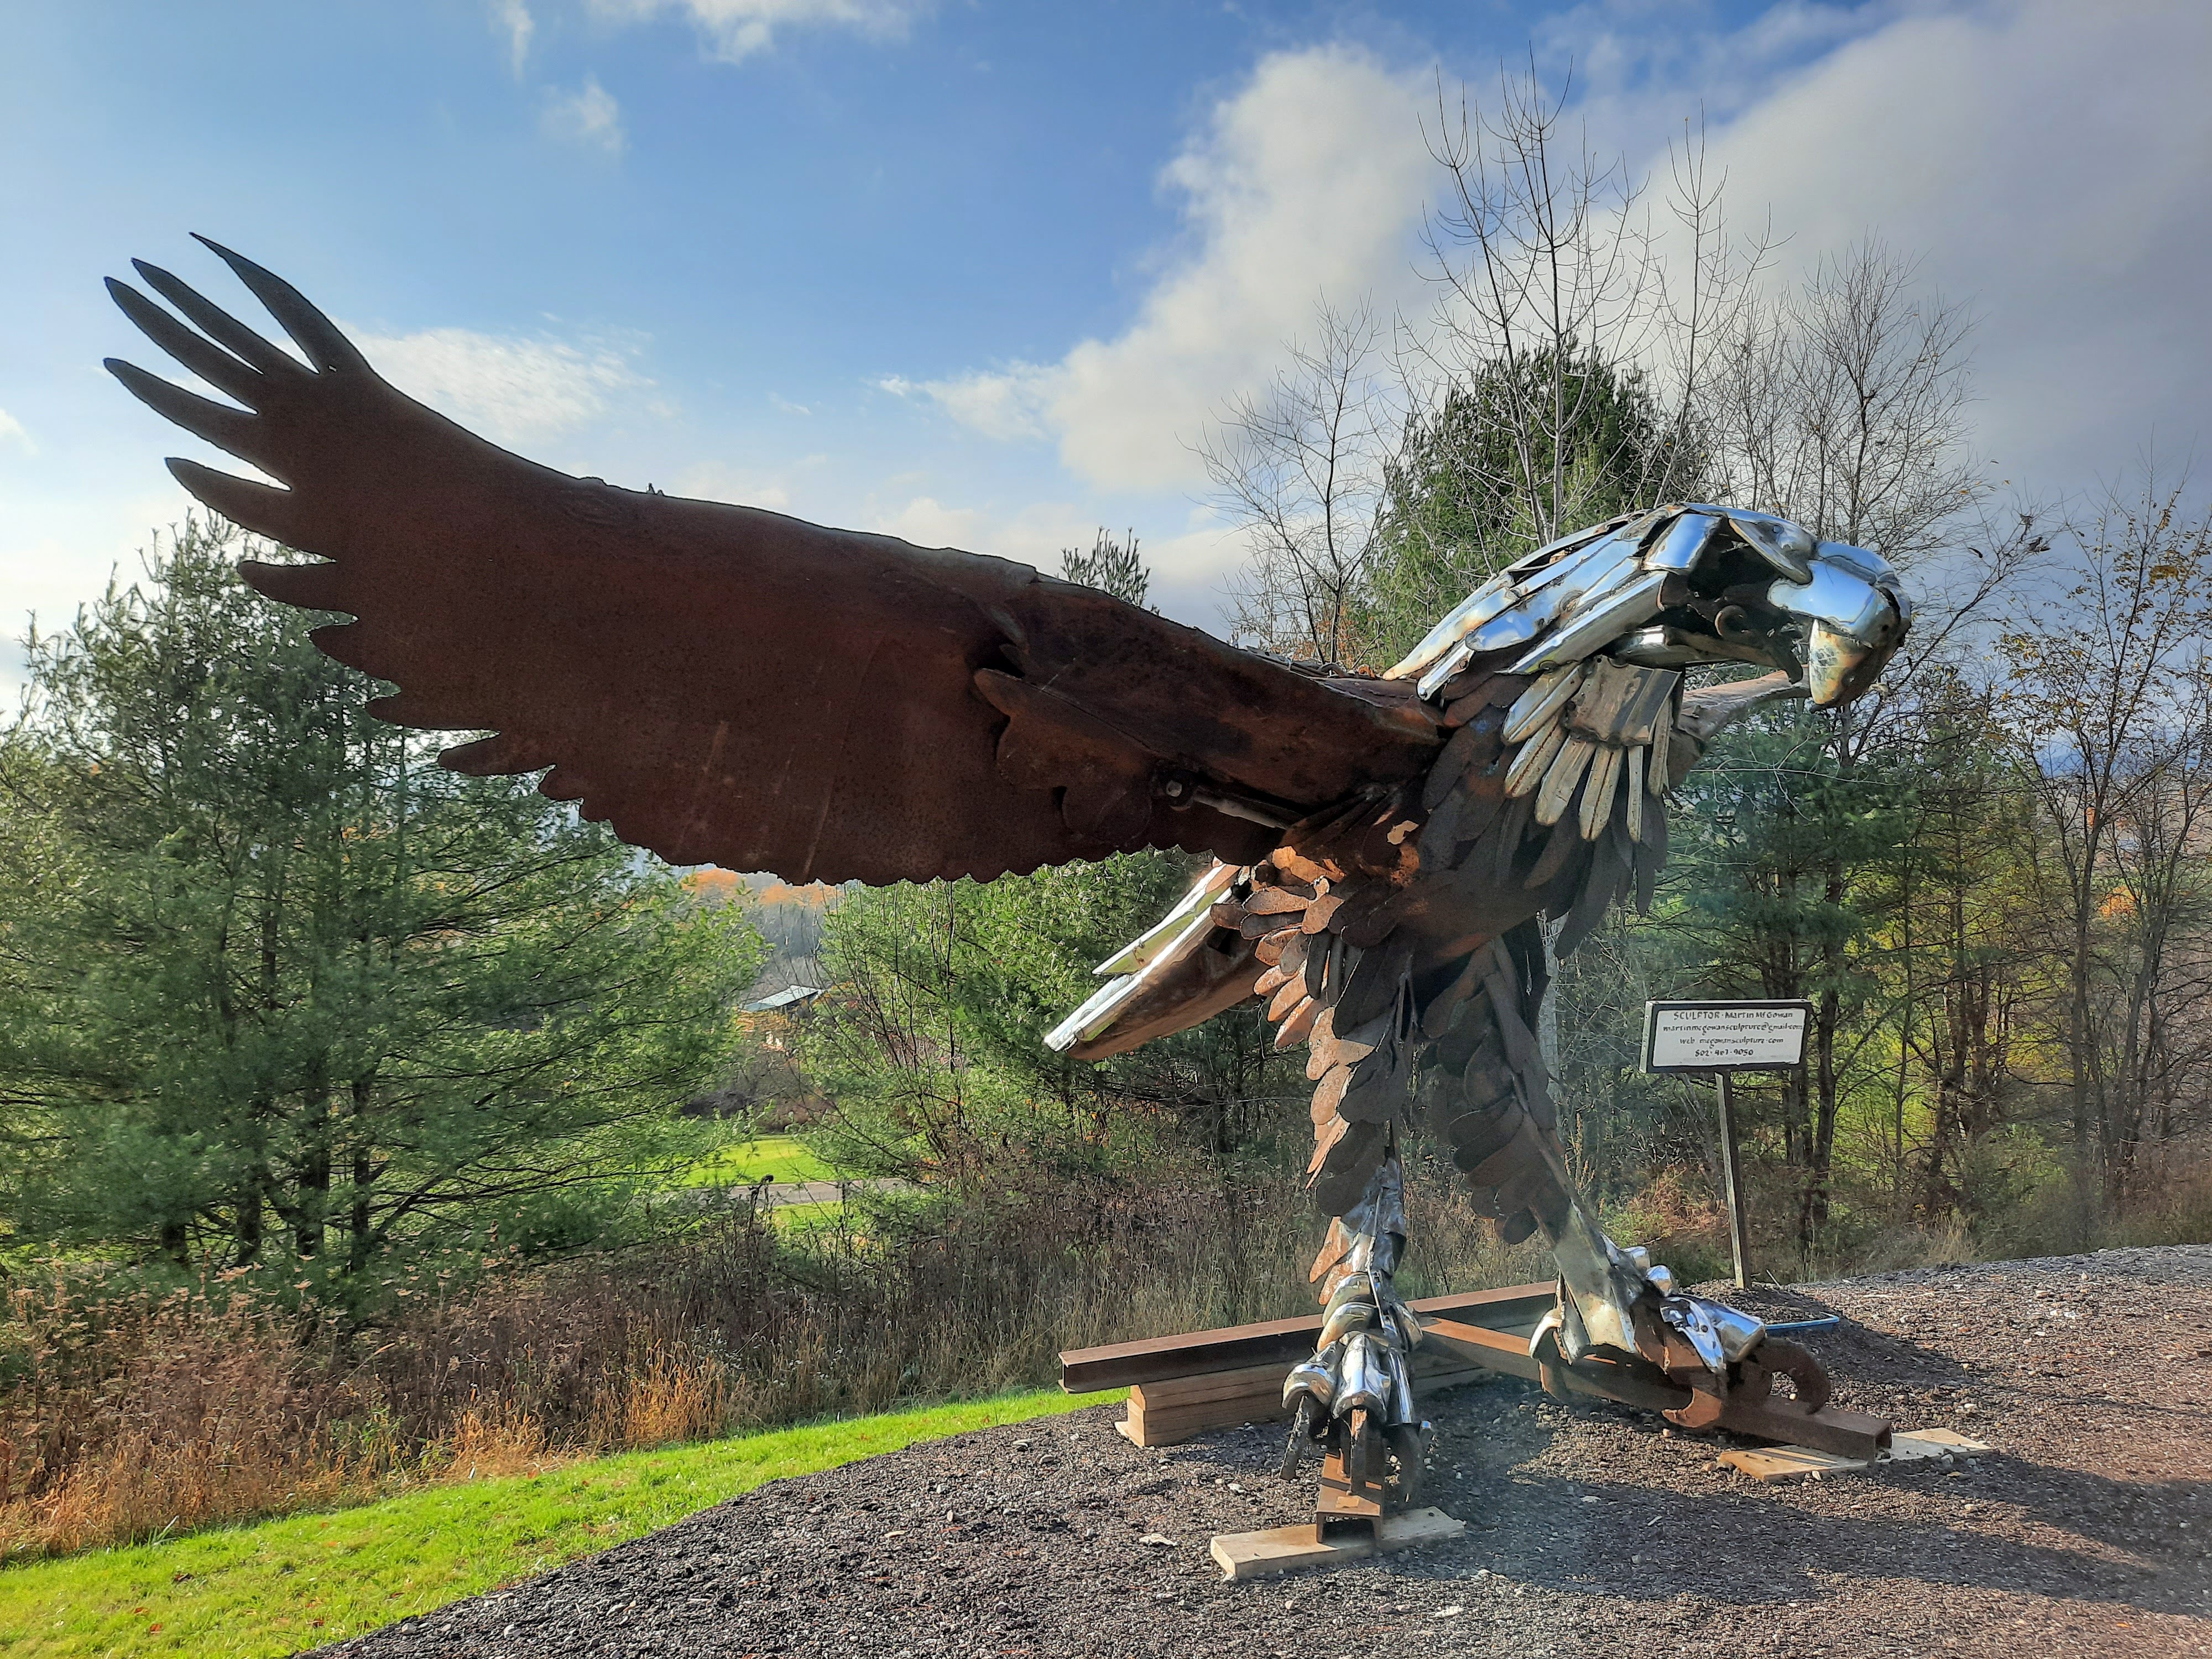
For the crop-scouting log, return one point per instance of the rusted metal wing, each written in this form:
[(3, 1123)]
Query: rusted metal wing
[(724, 684)]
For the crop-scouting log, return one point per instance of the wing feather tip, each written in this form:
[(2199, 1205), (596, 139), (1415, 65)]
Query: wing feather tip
[(265, 509), (309, 586), (327, 349)]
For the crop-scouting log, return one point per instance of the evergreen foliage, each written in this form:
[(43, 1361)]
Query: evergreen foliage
[(277, 991), (929, 1041), (1115, 567), (1462, 492)]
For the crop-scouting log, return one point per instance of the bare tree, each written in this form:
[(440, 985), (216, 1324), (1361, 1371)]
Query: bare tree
[(1558, 377), (1843, 405), (1300, 468), (2153, 1043), (1546, 261), (2108, 687)]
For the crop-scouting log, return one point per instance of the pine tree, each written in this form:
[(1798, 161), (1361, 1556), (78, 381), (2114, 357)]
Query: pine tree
[(277, 991)]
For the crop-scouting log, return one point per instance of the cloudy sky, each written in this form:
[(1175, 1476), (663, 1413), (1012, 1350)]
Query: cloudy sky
[(979, 272)]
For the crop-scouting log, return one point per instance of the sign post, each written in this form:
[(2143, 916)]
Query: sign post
[(1721, 1039)]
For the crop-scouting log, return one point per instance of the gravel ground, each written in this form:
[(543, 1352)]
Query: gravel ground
[(1591, 1531)]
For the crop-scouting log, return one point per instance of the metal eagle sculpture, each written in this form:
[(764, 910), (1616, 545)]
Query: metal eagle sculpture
[(727, 685)]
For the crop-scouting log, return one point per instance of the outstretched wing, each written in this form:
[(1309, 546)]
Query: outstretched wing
[(729, 685)]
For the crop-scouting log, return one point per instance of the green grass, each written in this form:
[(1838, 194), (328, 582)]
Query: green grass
[(780, 1155), (279, 1586), (806, 1217)]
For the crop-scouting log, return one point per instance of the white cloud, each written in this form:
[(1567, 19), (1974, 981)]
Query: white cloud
[(589, 115), (513, 16), (12, 429), (1032, 535), (509, 388), (1307, 182), (2049, 159), (1005, 404), (734, 30), (1187, 567), (718, 481)]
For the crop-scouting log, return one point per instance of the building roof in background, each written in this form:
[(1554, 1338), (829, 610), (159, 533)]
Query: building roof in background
[(789, 997)]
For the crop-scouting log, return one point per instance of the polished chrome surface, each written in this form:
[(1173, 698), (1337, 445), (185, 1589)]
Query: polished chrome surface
[(1544, 555), (1688, 1315), (1684, 540), (1837, 597), (1162, 933), (1470, 613), (1540, 703), (1787, 546), (1589, 631), (1859, 562)]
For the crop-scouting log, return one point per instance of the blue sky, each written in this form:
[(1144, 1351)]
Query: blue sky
[(979, 273)]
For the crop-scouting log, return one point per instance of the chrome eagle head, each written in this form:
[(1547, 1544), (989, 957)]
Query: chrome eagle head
[(1675, 587)]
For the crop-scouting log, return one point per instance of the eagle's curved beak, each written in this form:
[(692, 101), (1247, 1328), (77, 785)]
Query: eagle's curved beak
[(1854, 617)]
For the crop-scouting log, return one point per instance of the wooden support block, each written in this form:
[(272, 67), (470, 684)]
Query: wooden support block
[(1776, 1463), (1294, 1549), (1248, 1382), (1934, 1443), (1168, 1412)]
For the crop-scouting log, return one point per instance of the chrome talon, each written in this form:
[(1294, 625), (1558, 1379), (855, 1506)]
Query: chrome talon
[(1356, 1393), (1721, 1334), (1305, 1427), (1314, 1379)]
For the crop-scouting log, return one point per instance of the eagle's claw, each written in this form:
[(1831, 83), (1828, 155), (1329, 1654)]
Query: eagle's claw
[(1356, 1393)]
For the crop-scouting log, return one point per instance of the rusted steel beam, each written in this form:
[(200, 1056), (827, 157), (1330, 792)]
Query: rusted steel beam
[(1493, 1349), (1600, 1379), (1831, 1428), (1156, 1359), (1835, 1429)]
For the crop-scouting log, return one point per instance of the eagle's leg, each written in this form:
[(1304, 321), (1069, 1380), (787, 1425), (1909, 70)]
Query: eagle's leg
[(1356, 1393), (1485, 1092)]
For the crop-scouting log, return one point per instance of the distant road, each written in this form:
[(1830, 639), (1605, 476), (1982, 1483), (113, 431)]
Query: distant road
[(777, 1194), (824, 1192)]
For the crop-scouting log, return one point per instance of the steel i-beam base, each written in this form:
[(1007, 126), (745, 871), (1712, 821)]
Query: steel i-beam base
[(1344, 1502)]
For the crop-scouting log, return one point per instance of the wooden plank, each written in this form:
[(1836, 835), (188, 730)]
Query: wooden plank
[(1937, 1442), (1160, 1414), (1294, 1549), (1147, 1424), (1772, 1464), (1246, 1382), (1235, 1347)]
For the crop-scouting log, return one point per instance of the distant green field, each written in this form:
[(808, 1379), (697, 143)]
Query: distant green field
[(280, 1586), (781, 1157)]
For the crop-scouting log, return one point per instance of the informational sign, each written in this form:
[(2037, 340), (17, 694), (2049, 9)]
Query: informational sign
[(1724, 1037)]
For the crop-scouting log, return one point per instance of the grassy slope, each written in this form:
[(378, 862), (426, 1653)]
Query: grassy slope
[(281, 1585), (780, 1155)]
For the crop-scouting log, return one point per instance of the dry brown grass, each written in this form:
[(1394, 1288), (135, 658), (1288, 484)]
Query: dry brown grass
[(124, 1415), (128, 1415)]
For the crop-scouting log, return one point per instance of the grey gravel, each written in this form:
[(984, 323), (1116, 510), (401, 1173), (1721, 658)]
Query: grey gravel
[(2084, 1533)]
